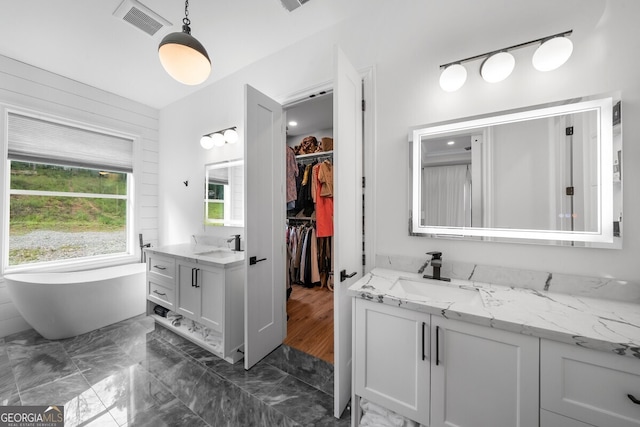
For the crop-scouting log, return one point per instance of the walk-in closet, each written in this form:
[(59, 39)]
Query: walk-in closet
[(309, 229)]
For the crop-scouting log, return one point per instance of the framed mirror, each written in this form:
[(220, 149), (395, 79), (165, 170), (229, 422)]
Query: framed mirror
[(224, 194), (547, 174)]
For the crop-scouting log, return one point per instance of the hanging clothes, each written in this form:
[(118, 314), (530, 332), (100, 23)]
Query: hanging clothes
[(324, 204), (292, 174)]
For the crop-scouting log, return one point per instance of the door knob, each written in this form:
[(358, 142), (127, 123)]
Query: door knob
[(343, 275)]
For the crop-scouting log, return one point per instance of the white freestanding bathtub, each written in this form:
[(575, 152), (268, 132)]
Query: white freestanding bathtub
[(63, 305)]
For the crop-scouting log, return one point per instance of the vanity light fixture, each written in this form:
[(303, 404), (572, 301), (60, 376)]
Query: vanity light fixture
[(497, 65), (219, 138), (183, 56)]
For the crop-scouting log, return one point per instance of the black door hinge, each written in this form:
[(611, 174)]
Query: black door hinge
[(363, 105), (364, 259), (568, 131), (569, 191), (363, 182)]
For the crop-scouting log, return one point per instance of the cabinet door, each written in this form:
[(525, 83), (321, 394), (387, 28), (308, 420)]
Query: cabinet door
[(596, 387), (392, 358), (188, 298), (482, 377), (211, 282)]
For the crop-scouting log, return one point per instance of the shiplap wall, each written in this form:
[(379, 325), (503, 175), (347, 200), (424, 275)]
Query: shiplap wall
[(26, 87)]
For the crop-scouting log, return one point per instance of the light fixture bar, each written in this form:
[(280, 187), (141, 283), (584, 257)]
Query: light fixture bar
[(221, 131), (506, 49)]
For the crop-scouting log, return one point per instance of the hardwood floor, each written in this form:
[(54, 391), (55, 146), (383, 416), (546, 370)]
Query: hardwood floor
[(310, 324)]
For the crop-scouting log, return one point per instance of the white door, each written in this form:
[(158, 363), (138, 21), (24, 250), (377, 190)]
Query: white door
[(347, 150), (264, 306)]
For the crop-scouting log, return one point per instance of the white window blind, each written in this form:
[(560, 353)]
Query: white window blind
[(219, 176), (40, 141)]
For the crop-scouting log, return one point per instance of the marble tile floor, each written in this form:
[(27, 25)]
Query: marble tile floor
[(137, 373)]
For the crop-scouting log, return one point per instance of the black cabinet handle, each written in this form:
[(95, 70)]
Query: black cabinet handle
[(159, 293), (254, 260), (159, 267), (633, 399), (437, 345), (343, 275), (424, 356), (194, 277)]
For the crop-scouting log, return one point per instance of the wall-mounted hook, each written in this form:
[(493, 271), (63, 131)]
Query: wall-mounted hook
[(186, 183)]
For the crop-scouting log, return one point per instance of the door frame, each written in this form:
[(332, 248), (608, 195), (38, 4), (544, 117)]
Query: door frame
[(369, 144)]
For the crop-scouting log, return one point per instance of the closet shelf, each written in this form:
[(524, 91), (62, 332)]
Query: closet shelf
[(315, 155)]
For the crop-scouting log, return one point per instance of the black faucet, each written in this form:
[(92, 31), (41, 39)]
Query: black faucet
[(235, 238), (436, 263)]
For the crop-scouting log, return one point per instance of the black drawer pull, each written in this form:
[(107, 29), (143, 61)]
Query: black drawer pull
[(159, 267), (437, 345), (424, 356), (633, 399), (159, 293)]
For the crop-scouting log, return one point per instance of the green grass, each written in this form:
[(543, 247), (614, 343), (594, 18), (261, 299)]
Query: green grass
[(73, 214)]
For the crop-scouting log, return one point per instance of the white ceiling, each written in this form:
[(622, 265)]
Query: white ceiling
[(83, 41)]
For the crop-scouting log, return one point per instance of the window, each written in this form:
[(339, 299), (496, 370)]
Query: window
[(70, 192)]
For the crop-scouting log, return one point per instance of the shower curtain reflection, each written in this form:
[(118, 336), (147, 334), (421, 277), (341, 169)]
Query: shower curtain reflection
[(446, 198)]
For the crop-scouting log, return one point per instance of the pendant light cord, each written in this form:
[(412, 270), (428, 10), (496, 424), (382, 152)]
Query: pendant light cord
[(186, 21)]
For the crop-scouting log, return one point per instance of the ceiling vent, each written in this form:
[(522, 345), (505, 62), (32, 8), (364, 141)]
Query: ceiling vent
[(140, 16), (293, 4)]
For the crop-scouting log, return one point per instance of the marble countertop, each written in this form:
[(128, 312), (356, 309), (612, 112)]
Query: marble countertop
[(599, 324), (214, 256)]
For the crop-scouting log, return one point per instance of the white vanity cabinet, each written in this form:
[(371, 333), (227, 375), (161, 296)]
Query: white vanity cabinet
[(209, 292), (596, 388), (392, 358), (482, 377), (442, 372)]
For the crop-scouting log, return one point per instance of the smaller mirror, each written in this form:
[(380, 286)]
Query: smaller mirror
[(224, 194)]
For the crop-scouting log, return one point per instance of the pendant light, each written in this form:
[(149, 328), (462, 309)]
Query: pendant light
[(182, 56)]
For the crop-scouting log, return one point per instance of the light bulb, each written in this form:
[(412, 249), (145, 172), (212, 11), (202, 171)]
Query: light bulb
[(497, 67), (218, 139), (552, 54), (206, 142), (231, 136), (453, 77)]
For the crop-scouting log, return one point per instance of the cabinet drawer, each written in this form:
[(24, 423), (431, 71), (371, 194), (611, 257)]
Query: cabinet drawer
[(162, 295), (549, 419), (588, 385), (161, 269)]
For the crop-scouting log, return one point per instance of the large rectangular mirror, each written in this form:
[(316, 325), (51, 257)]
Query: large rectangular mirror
[(224, 194), (546, 174)]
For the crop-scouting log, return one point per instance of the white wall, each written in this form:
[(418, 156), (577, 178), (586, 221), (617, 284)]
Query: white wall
[(31, 88), (406, 42)]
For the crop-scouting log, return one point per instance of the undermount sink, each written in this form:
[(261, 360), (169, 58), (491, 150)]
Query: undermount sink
[(215, 252), (435, 292)]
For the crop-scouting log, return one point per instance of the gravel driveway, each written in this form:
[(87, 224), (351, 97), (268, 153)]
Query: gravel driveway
[(55, 245)]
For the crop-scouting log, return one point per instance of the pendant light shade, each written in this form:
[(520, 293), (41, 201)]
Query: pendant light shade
[(552, 54), (453, 77), (183, 56), (497, 67)]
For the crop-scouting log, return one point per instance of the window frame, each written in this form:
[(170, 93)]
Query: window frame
[(94, 261)]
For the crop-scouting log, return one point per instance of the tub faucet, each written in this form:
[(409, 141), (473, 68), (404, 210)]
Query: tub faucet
[(436, 263), (235, 238)]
